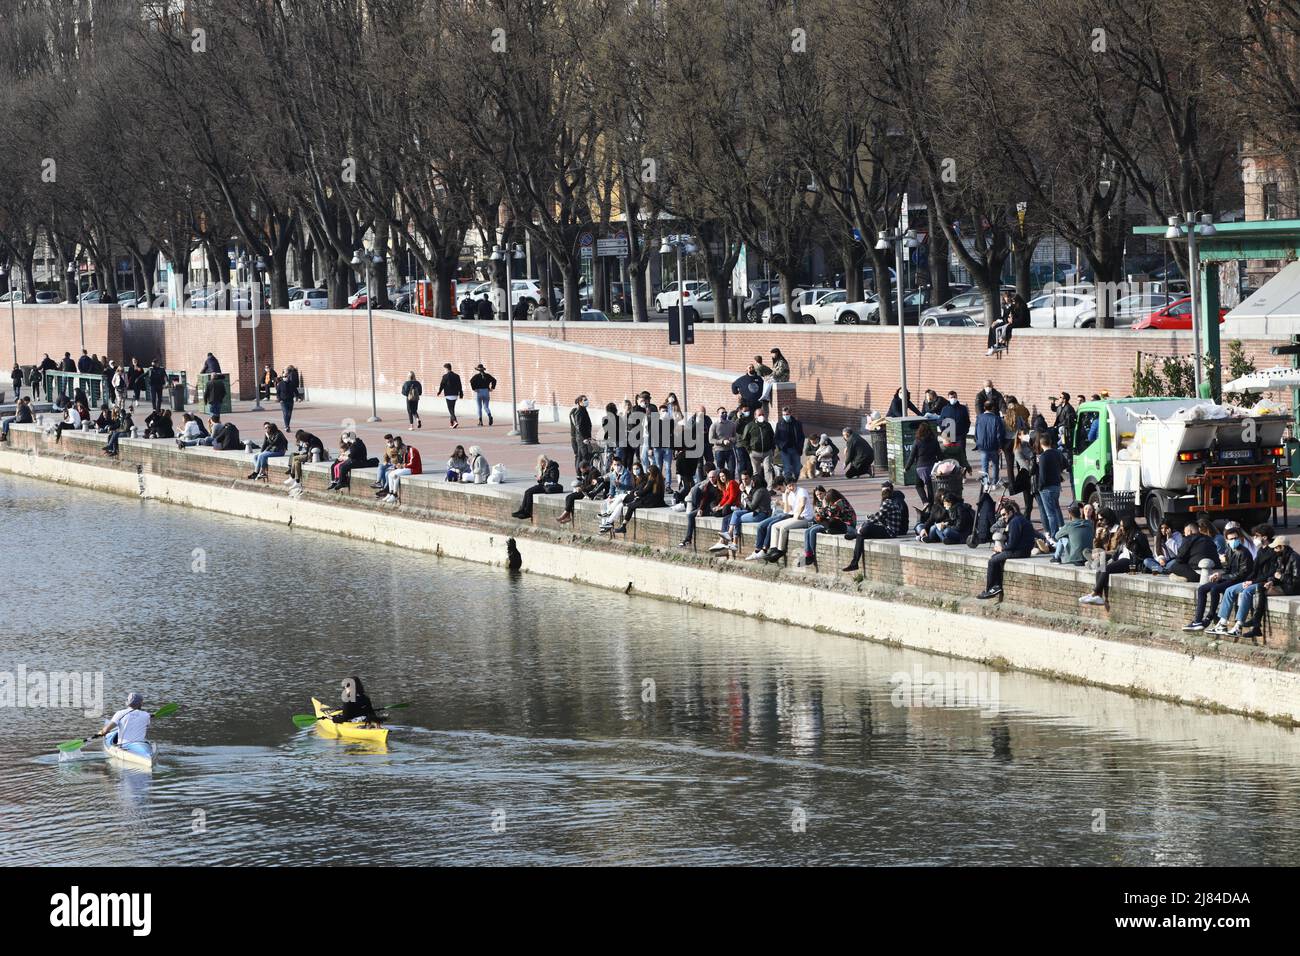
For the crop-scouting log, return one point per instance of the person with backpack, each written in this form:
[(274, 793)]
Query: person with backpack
[(411, 391), (548, 483)]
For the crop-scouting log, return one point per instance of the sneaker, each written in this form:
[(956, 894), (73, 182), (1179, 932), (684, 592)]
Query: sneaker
[(391, 499), (489, 419), (990, 351), (1194, 626), (720, 546), (1096, 599), (755, 556), (990, 593), (849, 569), (381, 494), (678, 507), (1253, 633), (288, 481), (774, 556), (251, 476)]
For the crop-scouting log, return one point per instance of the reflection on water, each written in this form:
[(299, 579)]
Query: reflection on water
[(556, 723)]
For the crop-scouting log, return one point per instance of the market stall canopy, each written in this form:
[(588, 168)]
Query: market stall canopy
[(1266, 380), (1273, 309)]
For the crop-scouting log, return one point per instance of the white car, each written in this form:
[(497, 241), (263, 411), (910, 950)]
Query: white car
[(822, 312), (859, 313), (800, 299), (666, 299), (1063, 310), (311, 299)]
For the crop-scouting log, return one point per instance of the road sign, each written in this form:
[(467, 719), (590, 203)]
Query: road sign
[(612, 246), (902, 215)]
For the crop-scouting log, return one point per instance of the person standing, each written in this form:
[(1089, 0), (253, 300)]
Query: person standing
[(211, 366), (84, 365), (924, 454), (954, 426), (214, 394), (1050, 468), (157, 382), (450, 389), (896, 406), (789, 442), (990, 434), (483, 385), (286, 395), (758, 439), (579, 431), (989, 394), (16, 374), (722, 439), (411, 391)]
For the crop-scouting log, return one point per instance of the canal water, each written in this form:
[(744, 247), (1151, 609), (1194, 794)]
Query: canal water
[(555, 723)]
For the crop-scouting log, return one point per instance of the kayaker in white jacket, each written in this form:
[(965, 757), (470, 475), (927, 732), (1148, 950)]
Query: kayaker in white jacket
[(131, 722)]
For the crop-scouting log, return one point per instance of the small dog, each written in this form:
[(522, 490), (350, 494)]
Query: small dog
[(514, 560)]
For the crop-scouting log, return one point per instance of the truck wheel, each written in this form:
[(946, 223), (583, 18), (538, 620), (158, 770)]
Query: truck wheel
[(1092, 496), (1153, 509)]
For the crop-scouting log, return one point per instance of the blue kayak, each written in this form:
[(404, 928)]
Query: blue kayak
[(139, 754)]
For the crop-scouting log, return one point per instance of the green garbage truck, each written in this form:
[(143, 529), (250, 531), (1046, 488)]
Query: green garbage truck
[(1179, 458)]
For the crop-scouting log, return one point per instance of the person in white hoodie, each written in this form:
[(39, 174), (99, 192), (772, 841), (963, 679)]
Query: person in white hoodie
[(799, 505), (479, 469)]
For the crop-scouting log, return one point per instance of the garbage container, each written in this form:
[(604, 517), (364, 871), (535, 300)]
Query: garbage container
[(528, 426), (880, 446), (178, 397)]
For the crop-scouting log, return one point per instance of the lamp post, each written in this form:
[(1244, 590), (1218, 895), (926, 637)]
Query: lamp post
[(679, 245), (13, 318), (510, 252), (1193, 225), (370, 262), (81, 306), (899, 241)]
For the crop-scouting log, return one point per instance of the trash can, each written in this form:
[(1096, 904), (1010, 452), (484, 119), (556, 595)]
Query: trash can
[(178, 397), (880, 446), (528, 426)]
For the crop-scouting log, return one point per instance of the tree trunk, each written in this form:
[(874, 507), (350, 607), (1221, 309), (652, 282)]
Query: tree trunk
[(940, 292), (1022, 255), (855, 257), (571, 304), (445, 271), (636, 285)]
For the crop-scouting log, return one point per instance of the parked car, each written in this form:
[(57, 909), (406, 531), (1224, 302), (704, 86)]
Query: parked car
[(706, 306), (668, 297), (592, 315), (1173, 317), (951, 320), (915, 301), (822, 312), (1133, 308), (311, 299), (970, 302), (776, 312), (48, 298), (14, 295), (1064, 309), (860, 312)]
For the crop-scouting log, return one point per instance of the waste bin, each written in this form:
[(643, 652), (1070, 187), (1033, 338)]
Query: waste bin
[(528, 426), (178, 397), (880, 446)]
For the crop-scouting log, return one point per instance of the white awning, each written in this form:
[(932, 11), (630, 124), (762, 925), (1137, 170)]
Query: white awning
[(1273, 309)]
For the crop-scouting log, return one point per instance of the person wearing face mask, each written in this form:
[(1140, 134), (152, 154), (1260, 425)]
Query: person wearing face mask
[(690, 447), (722, 440), (579, 431), (789, 441), (661, 452), (1238, 567), (758, 439)]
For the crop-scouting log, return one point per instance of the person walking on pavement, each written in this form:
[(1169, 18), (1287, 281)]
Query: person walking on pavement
[(286, 395), (990, 434), (411, 391), (450, 389), (483, 384), (214, 395)]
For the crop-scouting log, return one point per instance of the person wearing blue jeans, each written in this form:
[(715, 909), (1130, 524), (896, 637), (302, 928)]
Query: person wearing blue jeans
[(1244, 595), (990, 434), (1050, 469), (763, 533), (947, 535)]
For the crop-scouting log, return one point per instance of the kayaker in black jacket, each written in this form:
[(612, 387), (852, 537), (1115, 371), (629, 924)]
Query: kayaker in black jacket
[(356, 703)]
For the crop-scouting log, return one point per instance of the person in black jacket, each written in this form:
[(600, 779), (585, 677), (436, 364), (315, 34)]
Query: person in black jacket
[(157, 379), (307, 443), (548, 483), (450, 389), (286, 395), (859, 456), (214, 393), (485, 313), (352, 454), (1019, 544), (579, 432), (896, 406), (22, 416), (924, 454), (122, 427), (1195, 548), (274, 445), (356, 704), (411, 391), (1134, 550), (211, 366), (483, 385), (1240, 567), (225, 436)]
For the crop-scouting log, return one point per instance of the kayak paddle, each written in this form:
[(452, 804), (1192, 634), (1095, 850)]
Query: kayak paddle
[(71, 746), (303, 721)]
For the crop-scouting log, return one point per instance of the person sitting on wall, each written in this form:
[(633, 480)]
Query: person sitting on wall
[(889, 522), (225, 436), (352, 454), (1196, 547), (457, 464), (71, 421), (123, 425), (548, 483), (1019, 543), (22, 416)]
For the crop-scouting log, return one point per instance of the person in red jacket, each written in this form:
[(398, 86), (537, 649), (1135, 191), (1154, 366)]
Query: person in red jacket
[(408, 457), (730, 499)]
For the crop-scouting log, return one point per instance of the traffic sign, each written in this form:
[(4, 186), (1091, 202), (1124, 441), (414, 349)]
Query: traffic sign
[(612, 246)]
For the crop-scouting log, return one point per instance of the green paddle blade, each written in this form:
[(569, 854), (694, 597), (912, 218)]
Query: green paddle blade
[(166, 710), (303, 721), (68, 746)]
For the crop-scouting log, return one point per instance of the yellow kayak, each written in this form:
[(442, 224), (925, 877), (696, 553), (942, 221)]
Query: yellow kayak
[(348, 730)]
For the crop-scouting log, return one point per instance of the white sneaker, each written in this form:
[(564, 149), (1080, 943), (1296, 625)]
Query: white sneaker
[(678, 507), (288, 481), (1092, 599), (391, 499), (756, 555)]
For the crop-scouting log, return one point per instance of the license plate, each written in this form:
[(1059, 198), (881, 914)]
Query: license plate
[(1234, 454)]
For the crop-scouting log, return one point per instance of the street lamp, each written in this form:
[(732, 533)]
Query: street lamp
[(75, 279), (511, 252), (370, 262), (13, 319), (680, 244), (1194, 224), (899, 241)]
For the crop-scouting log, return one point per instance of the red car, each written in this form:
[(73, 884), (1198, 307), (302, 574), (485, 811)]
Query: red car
[(1173, 317)]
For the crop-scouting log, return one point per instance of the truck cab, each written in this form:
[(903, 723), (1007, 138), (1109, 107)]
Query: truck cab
[(1179, 456)]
